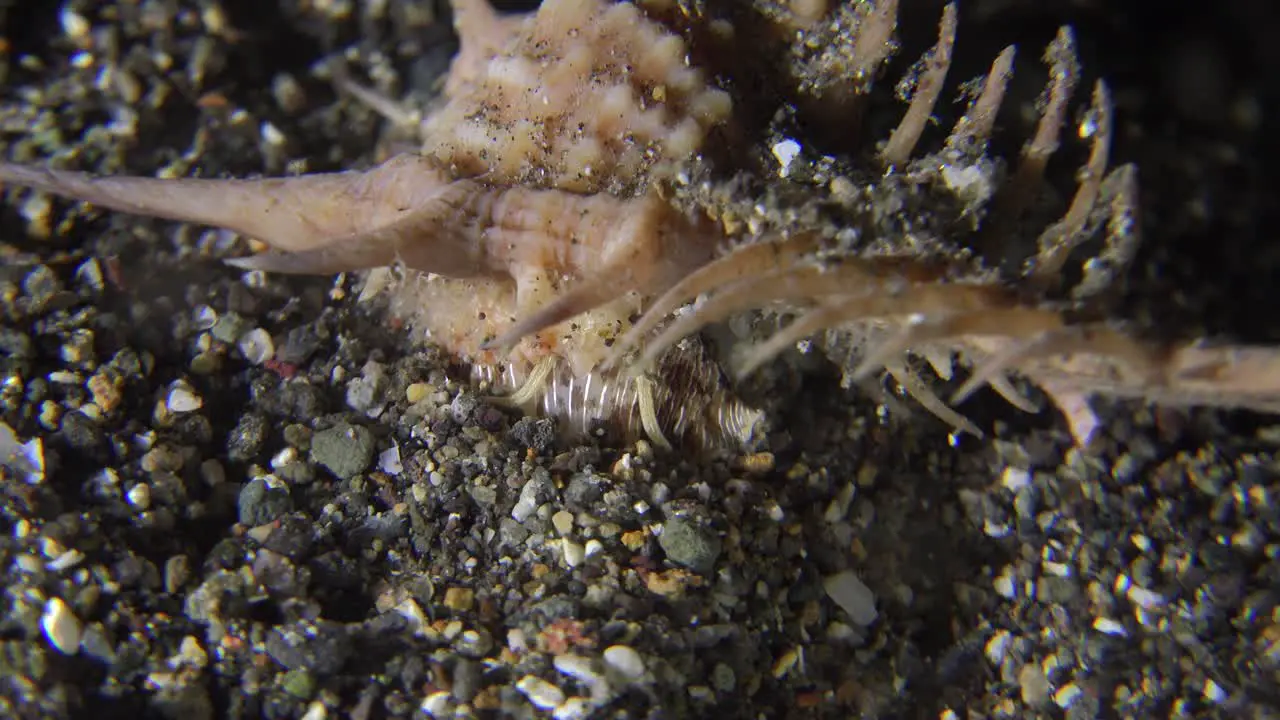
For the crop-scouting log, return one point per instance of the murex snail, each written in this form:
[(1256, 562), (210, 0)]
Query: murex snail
[(562, 227)]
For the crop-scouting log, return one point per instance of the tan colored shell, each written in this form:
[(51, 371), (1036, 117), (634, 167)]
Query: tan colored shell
[(582, 95)]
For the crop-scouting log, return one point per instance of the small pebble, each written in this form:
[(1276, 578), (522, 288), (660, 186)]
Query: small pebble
[(459, 598), (257, 346), (625, 661), (288, 93), (853, 596), (438, 704), (573, 552), (1108, 626), (1067, 695), (140, 496), (563, 522), (579, 668), (686, 542), (1034, 685), (998, 646), (61, 626), (575, 708), (389, 461), (346, 450), (1213, 692), (541, 693), (75, 25), (182, 399), (228, 328)]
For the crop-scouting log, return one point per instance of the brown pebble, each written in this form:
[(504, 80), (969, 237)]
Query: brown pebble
[(459, 598), (633, 539)]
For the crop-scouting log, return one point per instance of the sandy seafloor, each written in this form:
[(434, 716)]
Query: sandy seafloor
[(197, 536)]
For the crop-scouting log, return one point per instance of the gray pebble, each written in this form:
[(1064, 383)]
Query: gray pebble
[(463, 406), (183, 702), (584, 490), (344, 449), (245, 440), (686, 542), (41, 285), (511, 533), (260, 503), (365, 393), (537, 490), (723, 678), (16, 345), (229, 328), (299, 344), (322, 648), (466, 679), (536, 434), (81, 433)]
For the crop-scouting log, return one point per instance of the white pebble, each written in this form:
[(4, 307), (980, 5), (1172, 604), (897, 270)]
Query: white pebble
[(411, 611), (575, 708), (61, 626), (90, 273), (139, 496), (1067, 695), (540, 692), (204, 317), (271, 134), (516, 641), (579, 668), (1015, 478), (182, 399), (1004, 584), (1108, 626), (1213, 692), (190, 654), (437, 705), (1144, 598), (389, 461), (624, 660), (285, 457), (256, 346), (573, 552), (1056, 569), (998, 646), (785, 152), (74, 24), (68, 559), (853, 596)]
